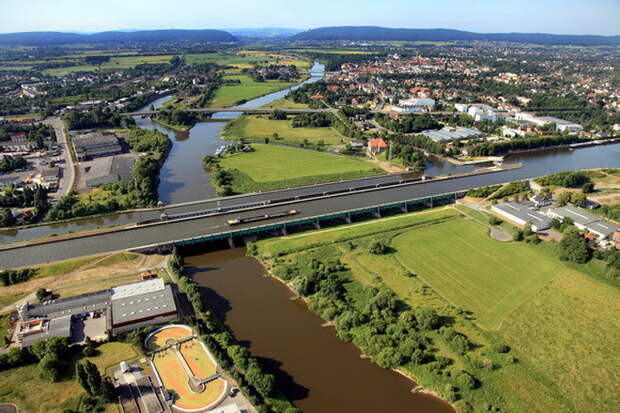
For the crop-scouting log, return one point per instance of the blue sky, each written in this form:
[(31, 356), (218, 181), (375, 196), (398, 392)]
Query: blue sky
[(543, 16)]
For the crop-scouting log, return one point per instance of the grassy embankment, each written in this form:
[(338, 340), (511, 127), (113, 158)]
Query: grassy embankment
[(24, 387), (257, 128), (557, 319), (272, 167)]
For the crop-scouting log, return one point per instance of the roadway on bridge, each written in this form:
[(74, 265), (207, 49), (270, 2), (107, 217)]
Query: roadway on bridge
[(178, 230)]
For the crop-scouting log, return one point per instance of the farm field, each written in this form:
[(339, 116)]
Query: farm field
[(229, 95), (257, 128), (113, 64), (567, 367), (299, 166)]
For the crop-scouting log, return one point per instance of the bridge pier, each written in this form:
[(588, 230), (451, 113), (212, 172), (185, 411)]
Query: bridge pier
[(231, 242), (404, 208), (348, 218), (284, 231), (317, 224), (377, 213)]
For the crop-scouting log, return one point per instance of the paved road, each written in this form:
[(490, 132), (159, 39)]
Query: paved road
[(68, 181), (178, 230)]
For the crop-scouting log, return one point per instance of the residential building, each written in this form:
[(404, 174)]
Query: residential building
[(96, 144), (512, 133), (376, 146), (521, 214), (461, 107)]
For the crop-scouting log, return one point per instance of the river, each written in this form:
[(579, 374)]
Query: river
[(183, 179), (313, 367)]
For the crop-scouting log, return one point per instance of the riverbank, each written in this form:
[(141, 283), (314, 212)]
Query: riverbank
[(315, 369), (417, 388), (178, 128)]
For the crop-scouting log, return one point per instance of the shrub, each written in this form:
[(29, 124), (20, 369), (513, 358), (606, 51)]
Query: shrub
[(378, 248)]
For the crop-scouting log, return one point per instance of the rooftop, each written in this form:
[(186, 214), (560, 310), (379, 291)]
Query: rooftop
[(452, 133), (109, 170), (71, 305), (94, 139), (145, 305), (137, 288), (524, 213)]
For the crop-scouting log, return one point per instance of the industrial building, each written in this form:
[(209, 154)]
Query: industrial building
[(414, 105), (449, 133), (117, 310), (561, 125), (522, 214), (585, 221), (96, 144), (109, 170)]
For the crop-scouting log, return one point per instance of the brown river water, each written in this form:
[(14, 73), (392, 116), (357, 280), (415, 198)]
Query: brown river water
[(313, 367)]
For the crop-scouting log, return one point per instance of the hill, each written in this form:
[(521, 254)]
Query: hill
[(371, 33), (144, 36), (266, 32)]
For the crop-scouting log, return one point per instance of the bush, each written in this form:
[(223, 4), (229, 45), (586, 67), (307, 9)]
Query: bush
[(493, 220), (378, 248)]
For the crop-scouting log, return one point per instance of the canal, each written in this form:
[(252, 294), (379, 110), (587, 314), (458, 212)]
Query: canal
[(183, 179), (313, 367)]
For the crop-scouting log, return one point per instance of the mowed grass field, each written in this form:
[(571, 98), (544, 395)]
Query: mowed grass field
[(274, 166), (571, 331), (229, 95), (257, 128), (475, 272)]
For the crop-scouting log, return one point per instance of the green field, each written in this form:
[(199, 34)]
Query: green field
[(30, 393), (229, 95), (559, 320), (115, 63), (478, 274), (285, 104), (257, 128), (265, 168)]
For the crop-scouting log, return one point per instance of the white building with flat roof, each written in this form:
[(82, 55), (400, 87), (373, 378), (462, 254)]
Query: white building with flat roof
[(585, 221), (521, 214)]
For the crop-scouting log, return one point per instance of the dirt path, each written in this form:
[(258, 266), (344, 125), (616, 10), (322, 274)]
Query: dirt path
[(89, 273)]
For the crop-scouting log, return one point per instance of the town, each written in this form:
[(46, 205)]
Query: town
[(269, 220)]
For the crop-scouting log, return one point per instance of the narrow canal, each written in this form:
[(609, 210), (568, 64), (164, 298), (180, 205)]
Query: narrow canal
[(313, 367)]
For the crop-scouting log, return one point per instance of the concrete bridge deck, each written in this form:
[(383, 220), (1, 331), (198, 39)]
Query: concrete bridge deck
[(193, 230)]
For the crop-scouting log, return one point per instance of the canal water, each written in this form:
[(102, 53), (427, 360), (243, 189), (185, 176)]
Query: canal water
[(183, 179), (313, 367)]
